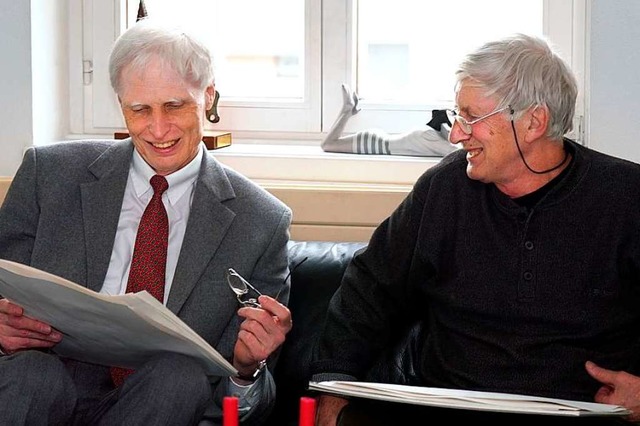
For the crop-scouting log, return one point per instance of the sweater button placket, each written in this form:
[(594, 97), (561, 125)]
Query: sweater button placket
[(526, 287)]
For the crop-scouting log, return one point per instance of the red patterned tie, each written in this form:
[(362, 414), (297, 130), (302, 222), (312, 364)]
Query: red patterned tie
[(149, 255)]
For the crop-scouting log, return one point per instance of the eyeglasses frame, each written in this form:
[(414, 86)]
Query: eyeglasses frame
[(252, 302), (465, 125)]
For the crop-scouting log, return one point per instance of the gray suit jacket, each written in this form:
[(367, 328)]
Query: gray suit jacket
[(61, 214)]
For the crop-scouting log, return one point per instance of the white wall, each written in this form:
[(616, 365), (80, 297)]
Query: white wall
[(615, 87), (16, 130), (33, 77), (50, 71), (41, 74)]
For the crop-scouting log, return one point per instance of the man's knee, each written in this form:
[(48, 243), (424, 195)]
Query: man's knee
[(37, 387), (170, 385), (181, 372), (35, 369)]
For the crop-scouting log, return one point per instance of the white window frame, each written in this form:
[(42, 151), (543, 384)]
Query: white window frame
[(103, 21), (330, 53)]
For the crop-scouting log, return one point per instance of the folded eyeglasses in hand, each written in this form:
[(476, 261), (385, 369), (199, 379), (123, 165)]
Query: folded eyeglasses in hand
[(241, 288)]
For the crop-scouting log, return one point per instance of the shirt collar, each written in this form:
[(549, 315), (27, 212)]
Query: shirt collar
[(179, 181)]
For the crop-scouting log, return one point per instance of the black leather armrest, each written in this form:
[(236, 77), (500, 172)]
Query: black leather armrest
[(313, 283)]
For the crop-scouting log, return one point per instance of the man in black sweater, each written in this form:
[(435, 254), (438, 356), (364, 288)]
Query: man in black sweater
[(518, 256)]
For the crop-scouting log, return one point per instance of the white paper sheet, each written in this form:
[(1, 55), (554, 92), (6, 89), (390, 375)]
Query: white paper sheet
[(120, 331), (468, 400)]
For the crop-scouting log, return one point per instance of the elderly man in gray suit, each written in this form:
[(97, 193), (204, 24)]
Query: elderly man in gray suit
[(73, 209)]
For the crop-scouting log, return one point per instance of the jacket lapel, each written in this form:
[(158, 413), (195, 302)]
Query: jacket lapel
[(207, 225), (101, 204)]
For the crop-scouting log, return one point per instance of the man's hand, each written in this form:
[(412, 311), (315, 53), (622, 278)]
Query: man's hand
[(328, 409), (618, 388), (18, 331), (262, 332)]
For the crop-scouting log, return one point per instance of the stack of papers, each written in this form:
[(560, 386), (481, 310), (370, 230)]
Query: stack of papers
[(123, 331), (468, 400)]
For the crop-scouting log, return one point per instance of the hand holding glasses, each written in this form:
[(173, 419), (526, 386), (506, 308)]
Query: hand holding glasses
[(241, 287)]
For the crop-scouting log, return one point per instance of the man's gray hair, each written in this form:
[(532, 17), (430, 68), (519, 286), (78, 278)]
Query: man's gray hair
[(148, 39), (524, 71)]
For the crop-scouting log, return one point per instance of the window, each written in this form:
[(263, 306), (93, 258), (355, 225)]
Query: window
[(280, 63), (411, 58)]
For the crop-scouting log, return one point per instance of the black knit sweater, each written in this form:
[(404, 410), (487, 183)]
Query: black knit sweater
[(513, 299)]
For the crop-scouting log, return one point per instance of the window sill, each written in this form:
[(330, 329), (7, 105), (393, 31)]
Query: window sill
[(300, 163)]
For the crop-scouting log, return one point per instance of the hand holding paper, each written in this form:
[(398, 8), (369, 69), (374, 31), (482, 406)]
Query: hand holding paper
[(18, 331), (618, 387), (122, 331)]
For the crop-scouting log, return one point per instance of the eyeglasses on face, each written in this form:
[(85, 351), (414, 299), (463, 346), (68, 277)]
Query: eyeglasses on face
[(465, 125)]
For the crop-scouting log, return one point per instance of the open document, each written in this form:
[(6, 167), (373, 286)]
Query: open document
[(468, 400), (122, 331)]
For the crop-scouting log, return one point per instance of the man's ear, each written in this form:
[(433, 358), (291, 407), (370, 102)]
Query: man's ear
[(208, 96), (538, 123)]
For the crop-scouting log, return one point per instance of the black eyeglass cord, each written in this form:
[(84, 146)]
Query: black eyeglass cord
[(288, 275), (538, 172)]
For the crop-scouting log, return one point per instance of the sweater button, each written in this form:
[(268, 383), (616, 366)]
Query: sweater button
[(528, 245), (528, 275)]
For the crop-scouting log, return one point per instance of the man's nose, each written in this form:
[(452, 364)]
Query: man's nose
[(159, 124), (457, 135)]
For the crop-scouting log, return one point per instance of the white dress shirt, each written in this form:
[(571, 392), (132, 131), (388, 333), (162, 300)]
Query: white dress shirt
[(177, 201)]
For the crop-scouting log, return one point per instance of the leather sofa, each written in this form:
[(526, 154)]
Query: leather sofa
[(313, 283)]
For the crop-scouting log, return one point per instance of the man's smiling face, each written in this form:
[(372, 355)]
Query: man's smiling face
[(164, 115)]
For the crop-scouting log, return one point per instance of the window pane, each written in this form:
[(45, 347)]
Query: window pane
[(258, 45), (410, 57)]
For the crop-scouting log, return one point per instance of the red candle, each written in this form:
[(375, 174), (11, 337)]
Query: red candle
[(230, 411), (307, 411)]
